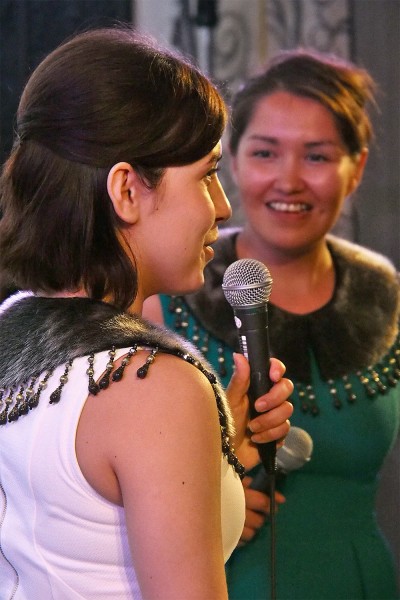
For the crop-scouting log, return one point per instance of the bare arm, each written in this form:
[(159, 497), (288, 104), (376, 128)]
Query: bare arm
[(159, 453)]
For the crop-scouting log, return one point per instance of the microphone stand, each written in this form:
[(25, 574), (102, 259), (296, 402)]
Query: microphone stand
[(265, 481), (267, 454), (272, 508)]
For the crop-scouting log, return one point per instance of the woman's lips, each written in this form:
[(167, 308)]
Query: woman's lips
[(209, 252), (289, 207)]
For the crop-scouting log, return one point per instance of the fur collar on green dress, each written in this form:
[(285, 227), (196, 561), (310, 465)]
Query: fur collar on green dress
[(354, 330)]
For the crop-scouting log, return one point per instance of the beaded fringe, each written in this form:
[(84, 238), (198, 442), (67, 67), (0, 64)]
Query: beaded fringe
[(16, 402), (376, 380)]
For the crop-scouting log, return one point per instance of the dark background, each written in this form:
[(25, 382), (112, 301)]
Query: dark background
[(29, 30)]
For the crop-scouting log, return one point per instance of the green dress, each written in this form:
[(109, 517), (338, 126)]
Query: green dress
[(345, 362)]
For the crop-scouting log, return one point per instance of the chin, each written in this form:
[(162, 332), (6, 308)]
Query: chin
[(189, 287)]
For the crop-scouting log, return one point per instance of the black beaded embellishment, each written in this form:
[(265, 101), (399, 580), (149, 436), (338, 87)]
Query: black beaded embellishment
[(56, 395), (118, 373), (6, 403), (12, 407), (376, 381), (227, 449), (142, 371), (105, 380), (93, 387)]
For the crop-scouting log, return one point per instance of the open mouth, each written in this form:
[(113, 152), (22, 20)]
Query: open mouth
[(289, 207)]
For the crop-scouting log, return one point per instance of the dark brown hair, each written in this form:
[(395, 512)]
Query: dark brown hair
[(339, 85), (104, 96)]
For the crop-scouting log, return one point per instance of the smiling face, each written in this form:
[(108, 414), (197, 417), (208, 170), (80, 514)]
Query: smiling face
[(178, 222), (293, 172)]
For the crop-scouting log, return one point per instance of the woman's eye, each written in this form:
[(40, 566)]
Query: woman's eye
[(317, 158), (209, 176), (262, 153)]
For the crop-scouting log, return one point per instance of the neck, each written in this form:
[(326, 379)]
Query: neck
[(303, 280)]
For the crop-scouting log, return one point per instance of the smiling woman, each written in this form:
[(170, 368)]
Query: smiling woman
[(294, 175), (299, 143)]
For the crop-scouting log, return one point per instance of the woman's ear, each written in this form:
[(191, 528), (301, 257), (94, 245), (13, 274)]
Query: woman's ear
[(124, 186), (359, 167)]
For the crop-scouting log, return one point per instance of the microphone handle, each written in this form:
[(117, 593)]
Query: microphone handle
[(262, 480), (253, 337)]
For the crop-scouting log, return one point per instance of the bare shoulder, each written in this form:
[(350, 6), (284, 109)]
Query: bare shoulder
[(171, 385), (153, 445), (170, 412)]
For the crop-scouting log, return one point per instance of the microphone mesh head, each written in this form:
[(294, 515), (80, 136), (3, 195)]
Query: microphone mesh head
[(296, 451), (247, 282)]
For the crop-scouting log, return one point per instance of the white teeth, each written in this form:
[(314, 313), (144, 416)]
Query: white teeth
[(286, 207)]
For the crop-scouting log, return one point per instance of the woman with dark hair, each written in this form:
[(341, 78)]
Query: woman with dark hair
[(299, 143), (118, 474)]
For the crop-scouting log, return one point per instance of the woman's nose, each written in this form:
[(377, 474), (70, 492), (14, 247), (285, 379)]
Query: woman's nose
[(288, 178), (223, 210)]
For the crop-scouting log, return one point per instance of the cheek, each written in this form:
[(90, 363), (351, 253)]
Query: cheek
[(194, 225), (329, 188), (252, 182)]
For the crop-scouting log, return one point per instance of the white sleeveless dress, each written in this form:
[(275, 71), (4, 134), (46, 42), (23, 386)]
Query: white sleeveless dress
[(60, 540)]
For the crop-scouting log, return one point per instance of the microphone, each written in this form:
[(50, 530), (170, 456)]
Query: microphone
[(295, 453), (247, 287)]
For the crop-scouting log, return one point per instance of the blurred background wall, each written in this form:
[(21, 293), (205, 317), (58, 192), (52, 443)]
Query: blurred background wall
[(232, 39)]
